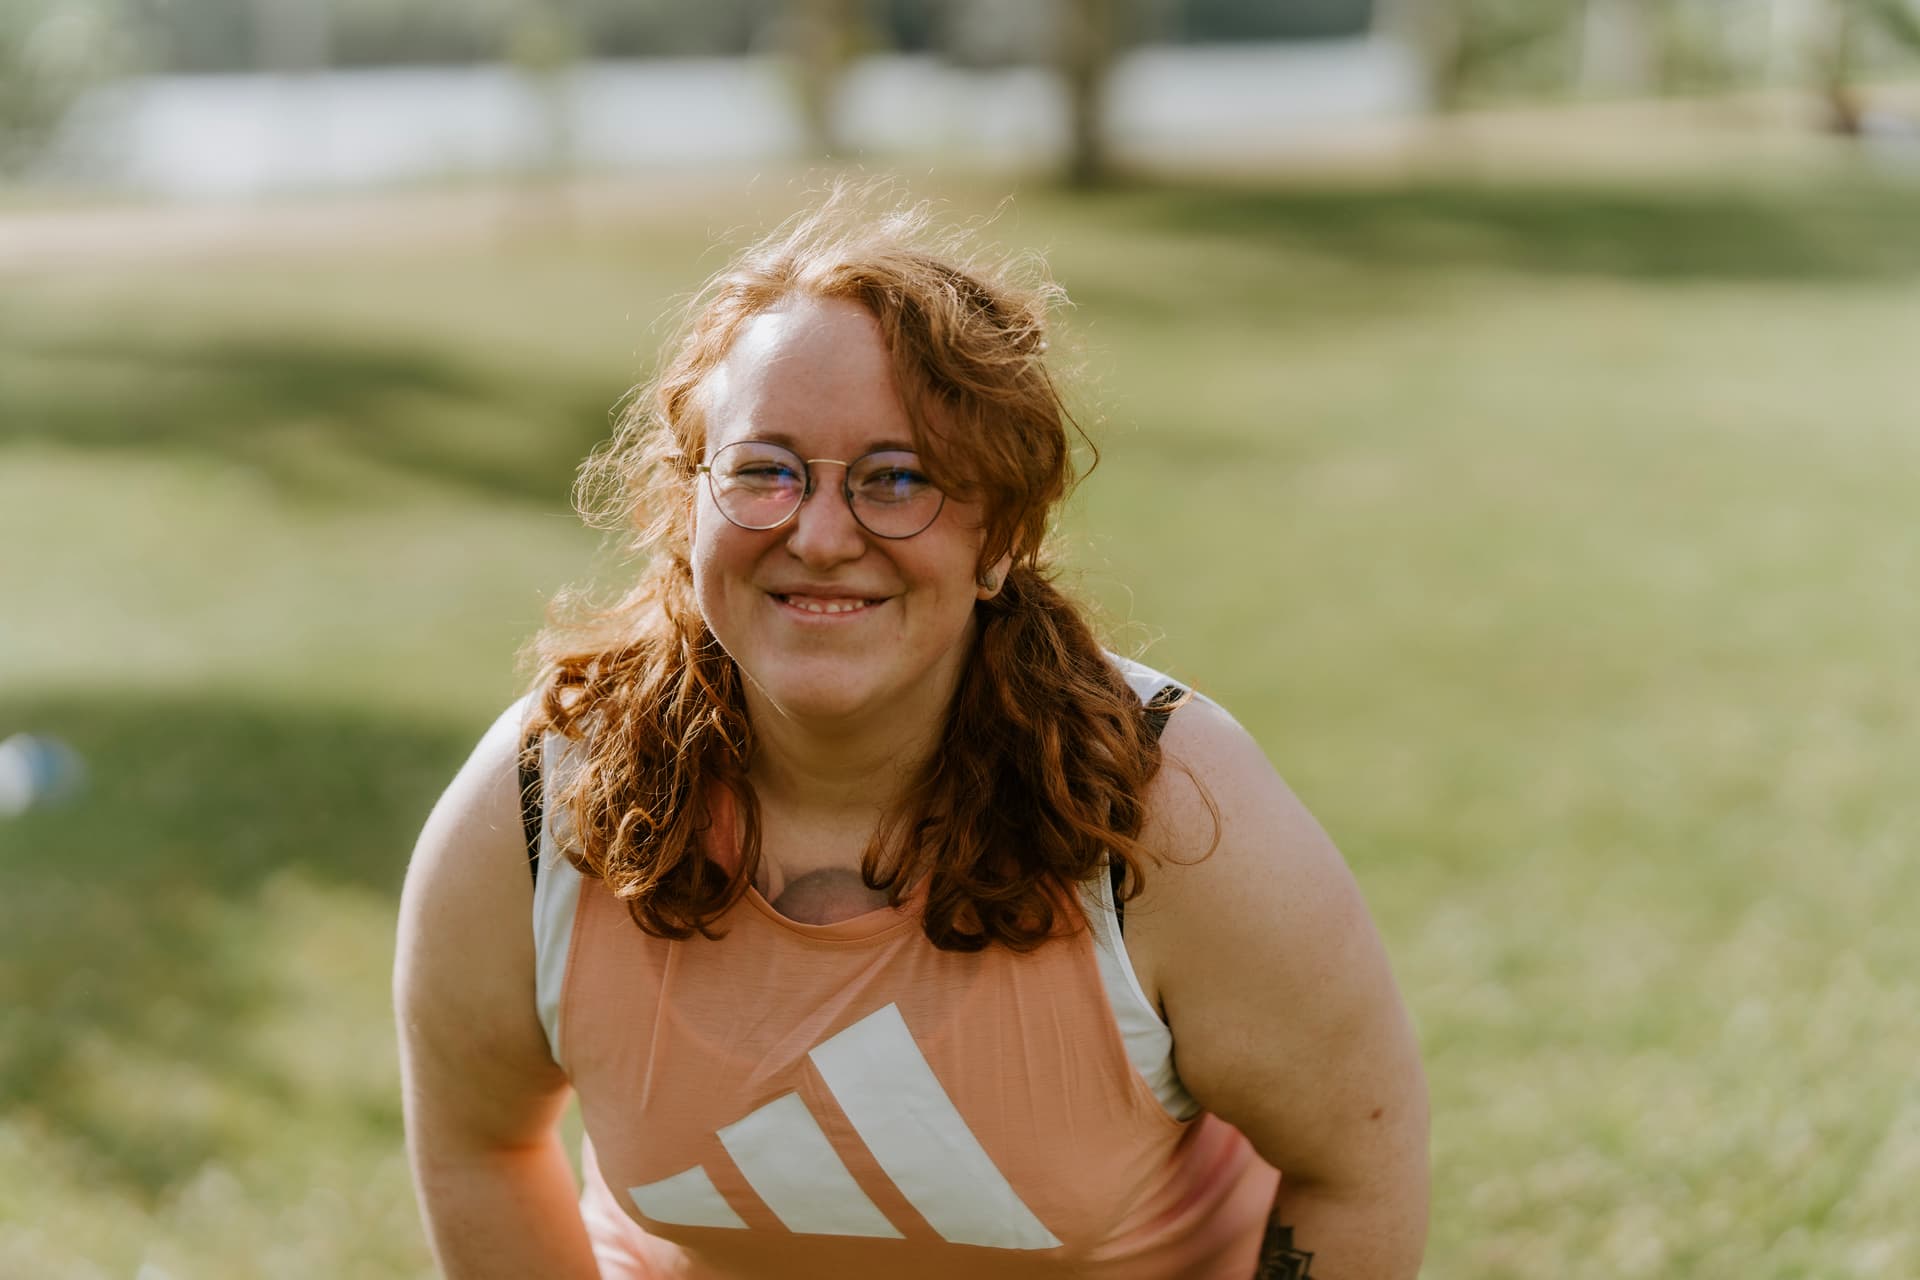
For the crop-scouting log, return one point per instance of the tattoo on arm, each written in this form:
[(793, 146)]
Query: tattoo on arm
[(1279, 1260)]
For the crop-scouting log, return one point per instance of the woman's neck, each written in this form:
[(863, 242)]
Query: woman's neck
[(858, 766)]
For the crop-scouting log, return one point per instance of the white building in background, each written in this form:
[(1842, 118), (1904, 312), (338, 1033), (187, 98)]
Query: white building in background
[(242, 135)]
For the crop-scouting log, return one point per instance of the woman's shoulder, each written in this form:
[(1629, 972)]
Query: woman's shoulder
[(1197, 725), (1215, 782), (473, 843), (1194, 718), (1145, 680), (464, 955), (1248, 883), (497, 756), (1216, 785)]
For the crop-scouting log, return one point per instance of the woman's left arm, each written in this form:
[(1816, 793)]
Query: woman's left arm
[(1286, 1020)]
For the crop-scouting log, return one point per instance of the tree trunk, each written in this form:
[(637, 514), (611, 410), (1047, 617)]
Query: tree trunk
[(1836, 59), (1088, 41), (1436, 32), (290, 35), (823, 35)]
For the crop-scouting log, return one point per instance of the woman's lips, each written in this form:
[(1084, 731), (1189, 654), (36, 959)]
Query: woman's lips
[(827, 606)]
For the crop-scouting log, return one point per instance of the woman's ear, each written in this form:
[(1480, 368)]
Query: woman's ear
[(994, 578)]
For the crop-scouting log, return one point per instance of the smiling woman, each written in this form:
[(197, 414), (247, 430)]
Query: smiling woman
[(803, 866), (830, 618)]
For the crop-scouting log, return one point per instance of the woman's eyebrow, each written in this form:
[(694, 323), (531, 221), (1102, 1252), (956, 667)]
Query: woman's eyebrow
[(785, 441)]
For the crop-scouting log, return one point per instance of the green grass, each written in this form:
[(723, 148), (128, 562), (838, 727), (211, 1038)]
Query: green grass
[(1557, 542)]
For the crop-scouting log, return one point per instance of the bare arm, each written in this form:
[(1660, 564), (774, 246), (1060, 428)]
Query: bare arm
[(1286, 1020), (481, 1091)]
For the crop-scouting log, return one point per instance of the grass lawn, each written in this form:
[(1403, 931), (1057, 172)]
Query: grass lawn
[(1558, 543)]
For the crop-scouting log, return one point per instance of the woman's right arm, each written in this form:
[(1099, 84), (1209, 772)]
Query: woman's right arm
[(481, 1091)]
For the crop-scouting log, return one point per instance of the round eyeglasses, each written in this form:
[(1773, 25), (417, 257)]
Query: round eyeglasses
[(761, 486)]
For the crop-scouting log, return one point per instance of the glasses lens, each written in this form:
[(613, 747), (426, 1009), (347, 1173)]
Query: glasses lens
[(757, 485), (892, 496)]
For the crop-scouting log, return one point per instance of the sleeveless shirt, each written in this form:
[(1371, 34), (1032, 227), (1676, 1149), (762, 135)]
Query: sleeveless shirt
[(847, 1100)]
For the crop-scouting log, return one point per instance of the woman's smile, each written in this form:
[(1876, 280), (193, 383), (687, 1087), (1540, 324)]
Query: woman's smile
[(823, 606)]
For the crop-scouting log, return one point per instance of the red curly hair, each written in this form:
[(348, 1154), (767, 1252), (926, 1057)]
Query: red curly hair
[(1045, 755)]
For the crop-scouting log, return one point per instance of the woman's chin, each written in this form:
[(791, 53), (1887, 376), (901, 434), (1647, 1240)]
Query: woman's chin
[(816, 699)]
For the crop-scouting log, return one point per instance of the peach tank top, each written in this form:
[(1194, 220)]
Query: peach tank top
[(847, 1100)]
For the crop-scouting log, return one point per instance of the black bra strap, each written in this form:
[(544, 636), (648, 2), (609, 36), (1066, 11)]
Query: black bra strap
[(1158, 710), (530, 801), (1161, 705)]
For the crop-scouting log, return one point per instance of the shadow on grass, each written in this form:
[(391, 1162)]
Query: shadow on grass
[(1852, 230), (123, 927), (294, 406)]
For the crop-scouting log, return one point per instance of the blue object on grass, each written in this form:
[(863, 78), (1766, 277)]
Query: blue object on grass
[(37, 771)]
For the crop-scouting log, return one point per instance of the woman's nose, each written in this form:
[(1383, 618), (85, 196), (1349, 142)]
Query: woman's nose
[(824, 530)]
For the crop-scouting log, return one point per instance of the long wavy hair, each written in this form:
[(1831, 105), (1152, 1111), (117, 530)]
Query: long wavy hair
[(1039, 774)]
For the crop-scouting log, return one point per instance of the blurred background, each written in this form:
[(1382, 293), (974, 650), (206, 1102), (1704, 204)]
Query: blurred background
[(1508, 408)]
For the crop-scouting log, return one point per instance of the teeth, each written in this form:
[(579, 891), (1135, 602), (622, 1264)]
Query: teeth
[(825, 606)]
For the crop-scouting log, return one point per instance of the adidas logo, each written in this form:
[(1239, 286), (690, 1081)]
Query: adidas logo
[(902, 1113)]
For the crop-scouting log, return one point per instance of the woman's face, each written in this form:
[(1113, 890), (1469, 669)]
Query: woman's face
[(830, 623)]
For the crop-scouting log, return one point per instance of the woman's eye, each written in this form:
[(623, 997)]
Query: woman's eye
[(894, 483), (893, 477), (765, 473)]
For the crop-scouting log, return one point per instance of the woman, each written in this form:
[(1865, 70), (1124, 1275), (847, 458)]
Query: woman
[(877, 924)]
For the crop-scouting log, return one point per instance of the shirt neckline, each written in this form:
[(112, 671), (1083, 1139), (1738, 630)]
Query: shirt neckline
[(868, 924), (719, 846)]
